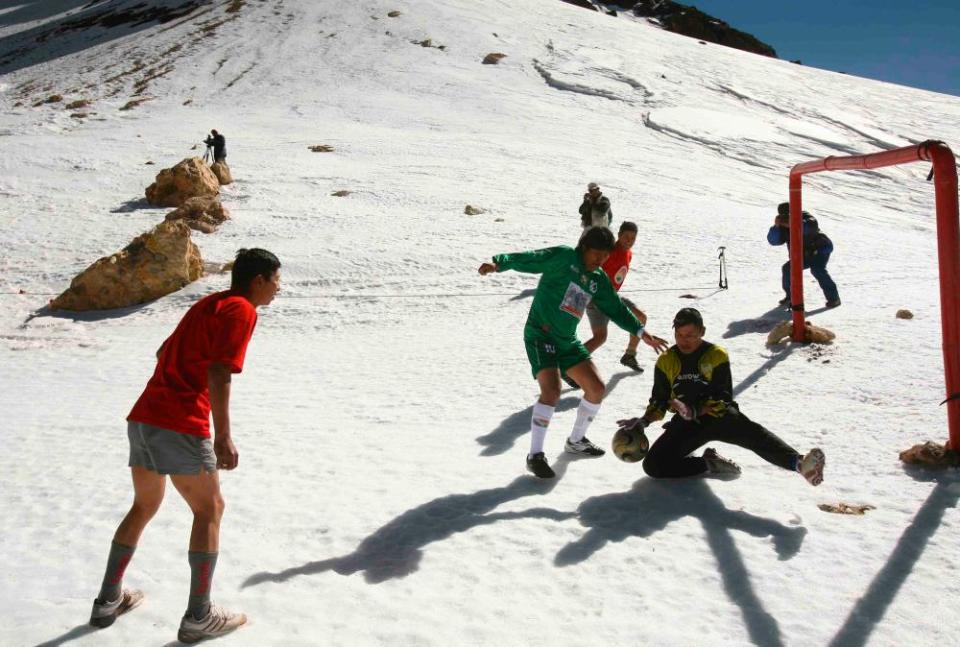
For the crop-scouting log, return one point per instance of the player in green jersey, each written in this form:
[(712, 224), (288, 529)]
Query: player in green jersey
[(571, 279)]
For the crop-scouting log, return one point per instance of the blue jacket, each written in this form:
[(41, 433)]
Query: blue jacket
[(814, 241)]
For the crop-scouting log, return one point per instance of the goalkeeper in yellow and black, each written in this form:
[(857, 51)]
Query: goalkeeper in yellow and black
[(571, 279), (692, 379)]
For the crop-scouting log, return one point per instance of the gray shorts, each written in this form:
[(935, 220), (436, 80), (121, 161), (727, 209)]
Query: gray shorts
[(600, 320), (169, 452)]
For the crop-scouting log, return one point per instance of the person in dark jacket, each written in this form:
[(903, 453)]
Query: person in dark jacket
[(692, 380), (595, 210), (219, 143), (816, 253)]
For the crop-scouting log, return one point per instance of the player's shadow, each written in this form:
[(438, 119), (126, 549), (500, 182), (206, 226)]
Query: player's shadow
[(652, 504), (777, 355), (525, 294), (501, 439), (395, 550), (77, 632), (762, 324), (883, 590)]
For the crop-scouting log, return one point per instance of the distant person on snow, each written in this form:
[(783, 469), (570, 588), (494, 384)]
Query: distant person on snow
[(616, 267), (595, 210), (571, 279), (816, 253), (169, 434), (219, 143), (693, 379)]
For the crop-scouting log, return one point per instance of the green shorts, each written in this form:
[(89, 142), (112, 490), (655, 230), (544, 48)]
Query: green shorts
[(545, 352)]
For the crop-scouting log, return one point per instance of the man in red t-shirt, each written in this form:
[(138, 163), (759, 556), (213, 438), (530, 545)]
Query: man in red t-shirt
[(616, 267), (169, 434)]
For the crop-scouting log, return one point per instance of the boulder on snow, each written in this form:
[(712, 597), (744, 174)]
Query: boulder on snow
[(930, 454), (204, 213), (155, 263), (812, 333), (470, 210), (222, 171), (188, 179), (903, 313), (493, 58)]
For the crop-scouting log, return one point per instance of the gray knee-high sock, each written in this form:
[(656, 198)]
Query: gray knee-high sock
[(120, 556), (201, 581)]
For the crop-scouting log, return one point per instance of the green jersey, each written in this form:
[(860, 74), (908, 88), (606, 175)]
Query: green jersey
[(565, 290)]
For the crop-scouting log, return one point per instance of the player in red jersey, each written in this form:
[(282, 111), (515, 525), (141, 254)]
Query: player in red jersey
[(616, 267), (169, 434)]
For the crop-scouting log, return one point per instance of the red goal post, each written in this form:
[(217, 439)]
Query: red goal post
[(948, 249)]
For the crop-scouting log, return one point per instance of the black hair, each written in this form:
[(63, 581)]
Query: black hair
[(251, 263), (597, 238), (687, 316), (628, 226), (783, 209)]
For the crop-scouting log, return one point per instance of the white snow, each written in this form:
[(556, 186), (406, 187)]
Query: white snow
[(381, 418)]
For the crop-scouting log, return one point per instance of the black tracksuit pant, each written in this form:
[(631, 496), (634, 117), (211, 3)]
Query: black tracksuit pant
[(669, 455)]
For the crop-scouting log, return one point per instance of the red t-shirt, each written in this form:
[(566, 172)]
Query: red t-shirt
[(617, 265), (216, 329)]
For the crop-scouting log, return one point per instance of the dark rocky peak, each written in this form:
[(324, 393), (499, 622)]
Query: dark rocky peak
[(686, 20)]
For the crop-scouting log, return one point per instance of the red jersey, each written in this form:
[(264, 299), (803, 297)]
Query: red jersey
[(216, 329), (617, 265)]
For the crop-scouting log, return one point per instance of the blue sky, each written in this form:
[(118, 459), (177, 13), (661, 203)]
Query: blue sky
[(911, 43)]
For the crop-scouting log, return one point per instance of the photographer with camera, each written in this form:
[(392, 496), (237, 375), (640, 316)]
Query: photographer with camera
[(595, 210), (219, 144)]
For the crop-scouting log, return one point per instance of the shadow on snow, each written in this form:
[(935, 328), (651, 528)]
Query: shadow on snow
[(501, 439), (652, 504), (394, 551)]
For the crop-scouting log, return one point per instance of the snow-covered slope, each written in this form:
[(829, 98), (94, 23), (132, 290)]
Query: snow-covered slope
[(382, 414)]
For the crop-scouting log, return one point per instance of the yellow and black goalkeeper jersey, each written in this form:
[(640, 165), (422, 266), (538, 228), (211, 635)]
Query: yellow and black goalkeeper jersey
[(701, 380)]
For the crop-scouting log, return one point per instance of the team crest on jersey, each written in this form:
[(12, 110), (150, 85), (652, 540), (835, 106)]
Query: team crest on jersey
[(593, 287), (621, 274)]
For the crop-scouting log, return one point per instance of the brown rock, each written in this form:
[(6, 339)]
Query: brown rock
[(393, 14), (203, 214), (493, 58), (904, 314), (812, 333), (342, 193), (930, 454), (222, 171), (188, 179), (156, 263), (321, 148), (473, 211)]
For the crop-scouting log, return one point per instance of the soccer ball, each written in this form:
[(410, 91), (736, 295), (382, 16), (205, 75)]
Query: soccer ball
[(630, 446)]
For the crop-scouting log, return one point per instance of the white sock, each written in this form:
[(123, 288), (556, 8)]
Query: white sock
[(539, 421), (586, 412)]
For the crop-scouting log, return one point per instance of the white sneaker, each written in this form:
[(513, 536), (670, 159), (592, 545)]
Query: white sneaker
[(811, 466), (583, 447), (718, 465), (105, 613), (218, 622)]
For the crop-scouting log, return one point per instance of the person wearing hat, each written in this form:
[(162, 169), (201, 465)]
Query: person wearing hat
[(595, 210), (816, 253), (693, 380), (571, 279)]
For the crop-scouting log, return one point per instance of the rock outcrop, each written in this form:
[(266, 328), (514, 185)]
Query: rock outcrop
[(222, 171), (188, 179), (203, 214), (156, 263), (687, 20)]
